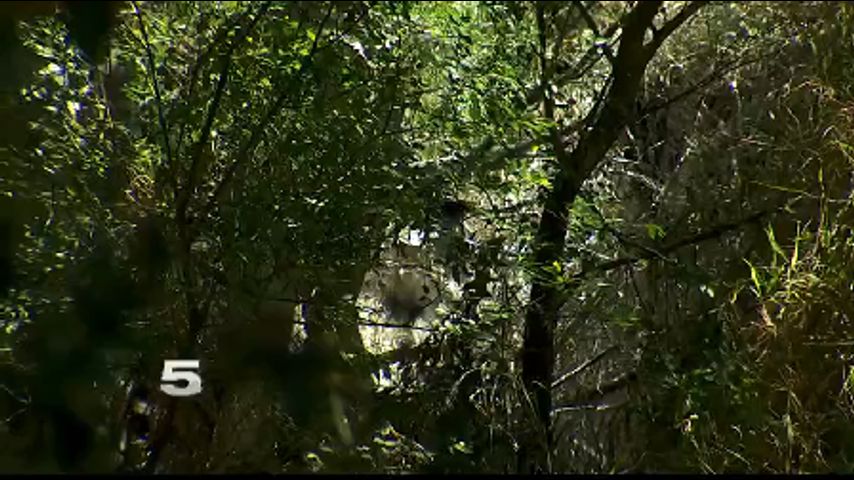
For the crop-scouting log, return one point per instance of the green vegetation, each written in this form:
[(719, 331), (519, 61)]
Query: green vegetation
[(427, 237)]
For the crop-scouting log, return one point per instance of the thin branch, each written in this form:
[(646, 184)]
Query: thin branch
[(599, 393), (153, 76), (711, 234), (14, 396), (625, 241), (352, 26), (258, 131), (843, 343), (207, 127), (704, 82), (598, 104), (390, 325), (563, 29), (563, 76), (587, 61), (598, 407), (591, 24), (196, 68), (584, 366), (668, 28)]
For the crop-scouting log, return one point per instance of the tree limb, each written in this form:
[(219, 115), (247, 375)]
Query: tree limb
[(601, 391), (660, 35), (187, 192), (591, 24), (258, 131), (161, 118), (584, 366), (202, 57), (603, 128), (702, 83), (576, 407), (710, 234)]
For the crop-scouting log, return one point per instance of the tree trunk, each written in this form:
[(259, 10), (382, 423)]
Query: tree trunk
[(601, 129)]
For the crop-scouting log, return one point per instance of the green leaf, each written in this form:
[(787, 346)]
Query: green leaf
[(773, 241), (794, 260), (754, 275), (655, 232), (462, 447)]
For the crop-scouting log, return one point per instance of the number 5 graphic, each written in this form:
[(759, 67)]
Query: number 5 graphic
[(177, 371)]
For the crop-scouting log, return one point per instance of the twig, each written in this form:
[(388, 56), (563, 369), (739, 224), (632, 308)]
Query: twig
[(584, 366), (153, 76), (352, 26), (619, 235), (591, 24), (391, 325), (696, 87), (588, 60), (196, 68), (599, 407), (258, 131), (599, 393), (712, 233), (207, 127)]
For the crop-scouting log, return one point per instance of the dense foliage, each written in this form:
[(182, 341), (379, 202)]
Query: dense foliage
[(427, 236)]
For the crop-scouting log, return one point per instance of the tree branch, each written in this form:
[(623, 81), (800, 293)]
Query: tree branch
[(258, 131), (660, 35), (591, 24), (161, 118), (576, 407), (186, 194), (581, 67), (541, 314), (197, 65), (597, 394), (584, 366), (704, 82), (391, 325), (711, 234)]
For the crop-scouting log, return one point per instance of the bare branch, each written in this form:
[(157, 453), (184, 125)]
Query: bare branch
[(702, 83), (710, 234), (599, 407), (584, 366), (604, 389), (566, 74), (347, 30), (391, 325)]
